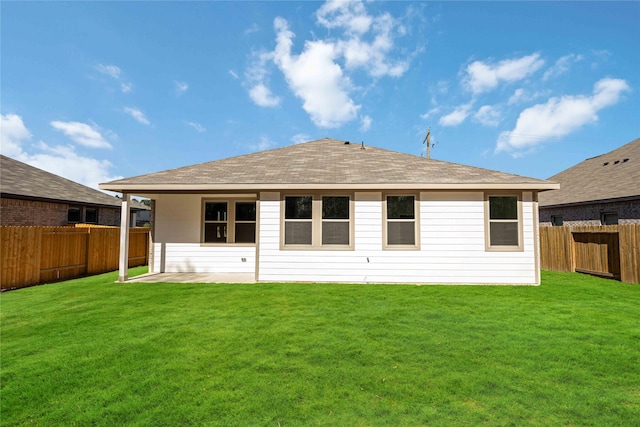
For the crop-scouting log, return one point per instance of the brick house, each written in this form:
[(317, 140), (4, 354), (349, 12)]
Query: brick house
[(31, 196), (601, 190)]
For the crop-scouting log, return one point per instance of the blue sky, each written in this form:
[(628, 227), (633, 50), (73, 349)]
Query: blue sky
[(94, 91)]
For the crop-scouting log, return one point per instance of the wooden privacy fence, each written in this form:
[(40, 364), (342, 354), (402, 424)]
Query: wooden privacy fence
[(609, 251), (32, 255)]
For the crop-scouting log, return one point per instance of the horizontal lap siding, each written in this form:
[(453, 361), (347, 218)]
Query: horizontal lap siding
[(452, 248), (193, 258), (177, 247)]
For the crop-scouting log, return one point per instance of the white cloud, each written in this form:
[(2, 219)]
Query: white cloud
[(561, 66), (60, 160), (457, 116), (66, 162), (115, 72), (299, 138), (196, 126), (13, 133), (262, 96), (82, 134), (482, 77), (320, 74), (110, 70), (264, 144), (350, 15), (488, 115), (136, 114), (560, 116), (518, 96), (358, 52), (181, 87), (430, 113), (234, 74), (254, 28), (365, 123), (314, 77)]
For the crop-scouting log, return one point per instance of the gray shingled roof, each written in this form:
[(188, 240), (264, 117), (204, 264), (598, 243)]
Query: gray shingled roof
[(324, 162), (24, 181), (614, 175)]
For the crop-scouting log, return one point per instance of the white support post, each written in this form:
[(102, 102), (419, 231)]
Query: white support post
[(125, 217)]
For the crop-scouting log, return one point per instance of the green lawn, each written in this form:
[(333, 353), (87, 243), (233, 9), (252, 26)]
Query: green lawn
[(92, 352)]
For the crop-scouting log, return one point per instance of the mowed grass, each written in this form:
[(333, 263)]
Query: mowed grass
[(93, 352)]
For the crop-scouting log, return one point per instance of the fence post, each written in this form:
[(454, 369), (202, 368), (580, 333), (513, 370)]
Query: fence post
[(629, 241), (571, 246)]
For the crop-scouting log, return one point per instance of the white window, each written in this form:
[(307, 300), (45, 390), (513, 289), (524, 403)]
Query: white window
[(317, 221), (229, 221), (401, 226), (504, 222)]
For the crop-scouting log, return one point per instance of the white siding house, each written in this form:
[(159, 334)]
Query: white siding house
[(330, 211)]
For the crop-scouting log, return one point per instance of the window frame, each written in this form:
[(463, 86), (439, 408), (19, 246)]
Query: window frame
[(416, 221), (231, 220), (487, 223), (86, 211), (604, 215), (80, 212), (557, 220), (317, 221)]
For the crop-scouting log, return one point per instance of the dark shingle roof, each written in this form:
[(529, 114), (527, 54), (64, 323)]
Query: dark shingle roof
[(24, 181), (613, 175), (324, 162)]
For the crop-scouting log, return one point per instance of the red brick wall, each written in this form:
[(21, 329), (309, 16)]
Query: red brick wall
[(29, 212), (628, 213)]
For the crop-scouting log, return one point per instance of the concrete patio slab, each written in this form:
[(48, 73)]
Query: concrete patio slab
[(194, 278)]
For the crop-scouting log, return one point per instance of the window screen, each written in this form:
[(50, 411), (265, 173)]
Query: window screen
[(504, 229), (401, 221)]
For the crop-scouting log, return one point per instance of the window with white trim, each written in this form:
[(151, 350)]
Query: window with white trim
[(400, 221), (504, 222), (317, 221), (229, 221)]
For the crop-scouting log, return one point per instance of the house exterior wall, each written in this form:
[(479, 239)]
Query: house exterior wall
[(177, 247), (589, 214), (22, 212), (452, 247), (451, 233)]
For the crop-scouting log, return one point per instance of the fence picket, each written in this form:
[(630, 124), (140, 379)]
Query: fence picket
[(32, 255), (609, 251)]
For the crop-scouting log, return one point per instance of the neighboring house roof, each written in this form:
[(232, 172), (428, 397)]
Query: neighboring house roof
[(609, 177), (137, 205), (19, 180), (322, 164)]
